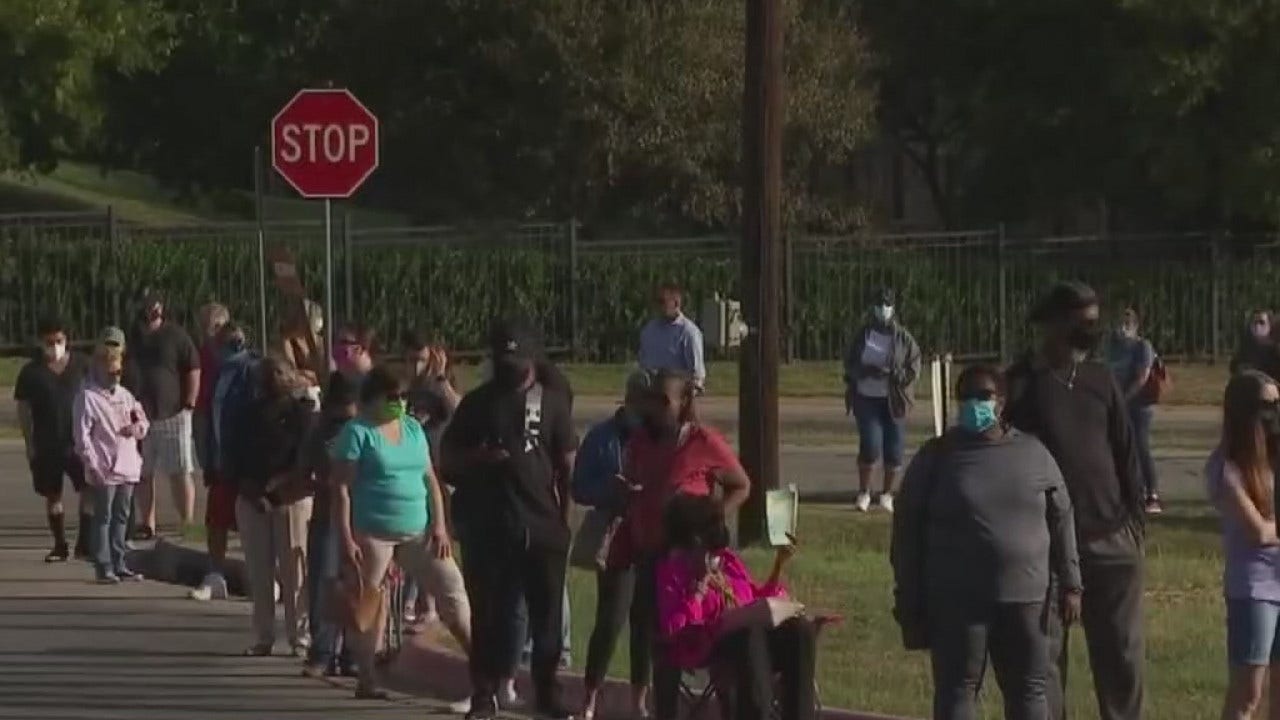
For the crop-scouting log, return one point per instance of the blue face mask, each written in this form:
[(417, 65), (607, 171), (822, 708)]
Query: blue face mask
[(978, 416)]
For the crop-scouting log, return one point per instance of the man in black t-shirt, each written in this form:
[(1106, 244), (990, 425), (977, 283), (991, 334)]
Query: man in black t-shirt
[(509, 452), (45, 390), (1073, 405), (163, 372)]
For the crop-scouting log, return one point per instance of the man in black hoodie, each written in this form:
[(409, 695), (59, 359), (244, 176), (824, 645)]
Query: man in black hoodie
[(509, 452), (1073, 405)]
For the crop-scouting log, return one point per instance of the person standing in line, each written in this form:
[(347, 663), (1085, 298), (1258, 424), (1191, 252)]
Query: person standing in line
[(598, 484), (167, 370), (674, 453), (45, 390), (331, 652), (302, 342), (983, 519), (273, 508), (212, 318), (109, 422), (1240, 481), (1073, 406), (881, 367), (1257, 348), (1132, 360), (386, 504), (354, 347), (509, 451), (670, 340)]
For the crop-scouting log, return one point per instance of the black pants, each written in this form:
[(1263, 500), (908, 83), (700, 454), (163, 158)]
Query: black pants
[(1012, 634), (496, 579), (666, 677), (1112, 569), (754, 654), (615, 603)]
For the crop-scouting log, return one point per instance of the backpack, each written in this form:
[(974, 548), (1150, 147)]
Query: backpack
[(1159, 383), (234, 394)]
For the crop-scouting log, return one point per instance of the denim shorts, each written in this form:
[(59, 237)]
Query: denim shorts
[(881, 436), (1251, 632)]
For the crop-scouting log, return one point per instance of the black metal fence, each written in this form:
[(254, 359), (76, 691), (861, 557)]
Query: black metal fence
[(966, 293)]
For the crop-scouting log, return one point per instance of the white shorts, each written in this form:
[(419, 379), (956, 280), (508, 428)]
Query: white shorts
[(169, 448)]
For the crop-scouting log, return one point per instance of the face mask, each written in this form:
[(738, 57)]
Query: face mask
[(55, 352), (395, 409), (510, 372), (1128, 331), (1261, 331), (317, 326), (978, 416), (1083, 337), (882, 313)]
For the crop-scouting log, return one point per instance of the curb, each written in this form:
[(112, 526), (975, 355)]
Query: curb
[(426, 667)]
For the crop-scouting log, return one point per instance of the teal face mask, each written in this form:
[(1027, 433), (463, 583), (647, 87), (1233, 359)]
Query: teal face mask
[(396, 409), (978, 416)]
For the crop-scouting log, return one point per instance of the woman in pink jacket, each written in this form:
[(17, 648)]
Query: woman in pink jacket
[(712, 613), (108, 422)]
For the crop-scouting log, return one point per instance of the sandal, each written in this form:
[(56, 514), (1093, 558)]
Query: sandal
[(258, 651)]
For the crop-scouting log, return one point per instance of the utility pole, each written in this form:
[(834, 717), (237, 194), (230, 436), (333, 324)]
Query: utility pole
[(762, 120)]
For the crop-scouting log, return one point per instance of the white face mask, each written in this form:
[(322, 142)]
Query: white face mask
[(883, 313), (317, 326), (55, 352)]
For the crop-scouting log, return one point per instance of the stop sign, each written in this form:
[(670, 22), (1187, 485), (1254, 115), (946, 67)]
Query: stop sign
[(325, 143)]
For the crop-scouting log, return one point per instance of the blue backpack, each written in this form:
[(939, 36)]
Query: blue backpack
[(234, 394)]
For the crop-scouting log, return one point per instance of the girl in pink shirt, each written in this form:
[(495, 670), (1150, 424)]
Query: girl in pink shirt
[(107, 424), (711, 613)]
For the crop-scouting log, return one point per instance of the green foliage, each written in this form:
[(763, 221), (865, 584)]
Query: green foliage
[(51, 52)]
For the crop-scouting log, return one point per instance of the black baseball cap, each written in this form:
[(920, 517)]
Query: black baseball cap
[(1063, 299), (515, 337)]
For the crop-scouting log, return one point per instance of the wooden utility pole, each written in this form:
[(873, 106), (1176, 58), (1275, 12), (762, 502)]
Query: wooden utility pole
[(762, 120)]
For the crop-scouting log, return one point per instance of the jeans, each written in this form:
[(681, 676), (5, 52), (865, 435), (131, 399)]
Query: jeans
[(754, 654), (520, 629), (1140, 417), (327, 643), (111, 507), (881, 436), (1251, 633), (1012, 634)]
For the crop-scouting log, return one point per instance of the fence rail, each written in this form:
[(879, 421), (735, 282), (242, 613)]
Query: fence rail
[(966, 292)]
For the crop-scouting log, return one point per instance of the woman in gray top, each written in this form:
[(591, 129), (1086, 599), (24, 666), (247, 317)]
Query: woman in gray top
[(983, 521)]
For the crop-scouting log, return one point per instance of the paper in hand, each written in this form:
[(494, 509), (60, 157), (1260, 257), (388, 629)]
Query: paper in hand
[(781, 509)]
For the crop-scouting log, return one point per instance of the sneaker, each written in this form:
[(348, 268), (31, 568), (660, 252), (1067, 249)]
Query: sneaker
[(59, 553), (886, 502), (863, 502), (552, 712), (204, 593), (1153, 505), (125, 573), (482, 709), (508, 698), (108, 579), (460, 707), (315, 671), (142, 533)]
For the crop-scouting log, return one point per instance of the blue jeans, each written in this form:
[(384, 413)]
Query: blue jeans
[(520, 629), (1140, 417), (881, 436), (322, 568), (111, 507), (1251, 632)]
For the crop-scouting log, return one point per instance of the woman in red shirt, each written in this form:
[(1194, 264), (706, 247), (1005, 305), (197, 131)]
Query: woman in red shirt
[(675, 454)]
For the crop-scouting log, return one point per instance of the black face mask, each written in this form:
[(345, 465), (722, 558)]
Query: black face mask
[(510, 372), (1084, 336)]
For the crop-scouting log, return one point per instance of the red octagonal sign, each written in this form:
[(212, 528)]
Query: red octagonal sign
[(325, 143)]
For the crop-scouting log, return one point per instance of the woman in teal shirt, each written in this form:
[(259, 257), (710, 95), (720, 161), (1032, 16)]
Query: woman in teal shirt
[(387, 503)]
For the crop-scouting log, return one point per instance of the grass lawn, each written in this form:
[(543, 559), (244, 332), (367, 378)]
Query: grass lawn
[(843, 566)]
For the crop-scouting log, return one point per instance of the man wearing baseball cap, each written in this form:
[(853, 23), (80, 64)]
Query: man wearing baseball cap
[(509, 452)]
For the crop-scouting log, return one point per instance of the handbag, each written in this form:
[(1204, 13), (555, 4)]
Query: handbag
[(591, 544)]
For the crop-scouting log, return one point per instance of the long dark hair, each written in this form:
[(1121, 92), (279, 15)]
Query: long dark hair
[(691, 521), (1244, 441)]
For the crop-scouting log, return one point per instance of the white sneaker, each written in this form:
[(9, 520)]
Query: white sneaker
[(212, 587), (204, 593), (863, 503), (886, 502), (460, 707), (508, 698)]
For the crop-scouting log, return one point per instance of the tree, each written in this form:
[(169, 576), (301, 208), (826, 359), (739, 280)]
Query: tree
[(50, 55)]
